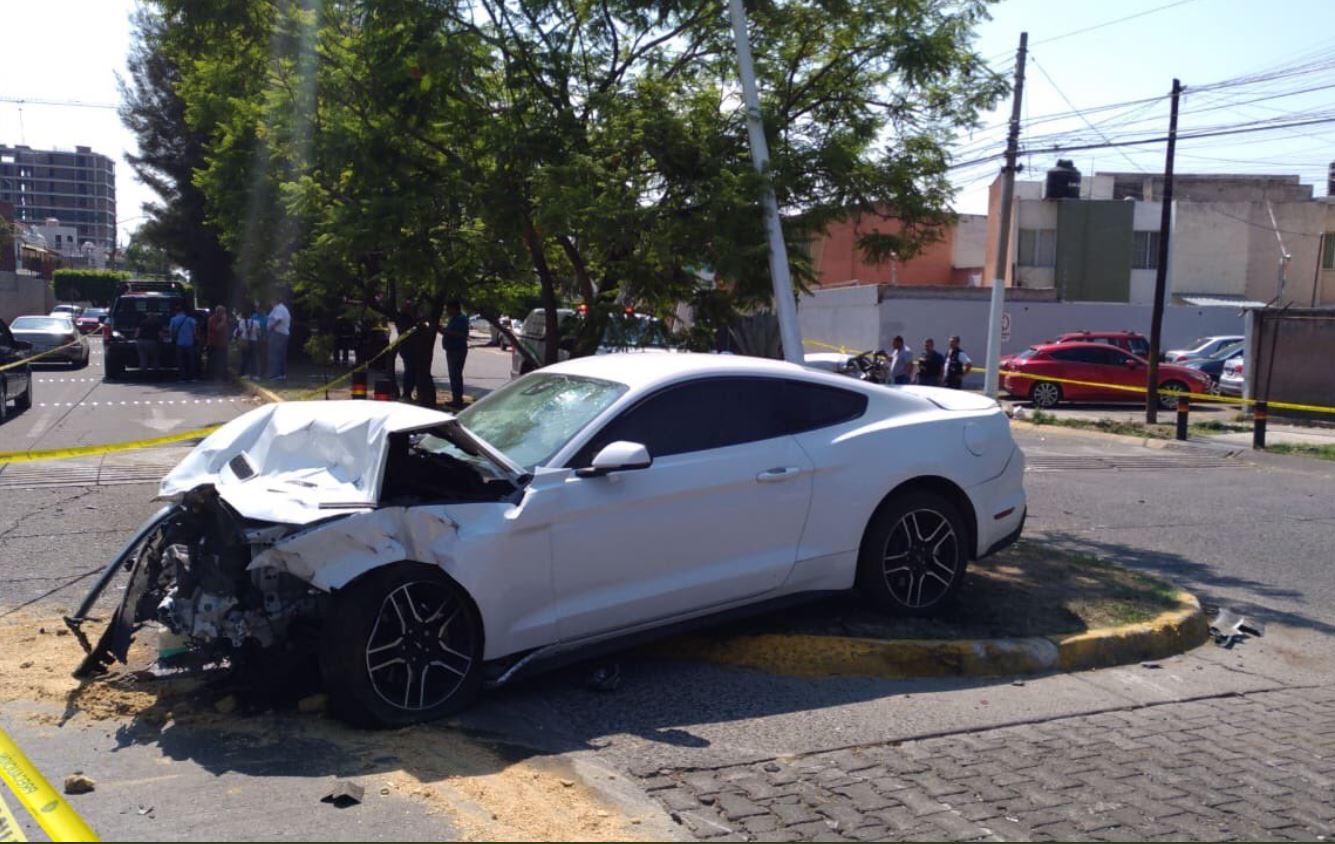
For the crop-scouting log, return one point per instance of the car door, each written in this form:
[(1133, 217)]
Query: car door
[(13, 381), (1072, 365), (716, 519), (1116, 367)]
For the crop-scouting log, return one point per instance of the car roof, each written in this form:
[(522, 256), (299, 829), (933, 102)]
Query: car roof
[(1071, 344), (645, 371), (1083, 333)]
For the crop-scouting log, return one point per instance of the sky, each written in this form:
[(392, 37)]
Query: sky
[(1083, 56)]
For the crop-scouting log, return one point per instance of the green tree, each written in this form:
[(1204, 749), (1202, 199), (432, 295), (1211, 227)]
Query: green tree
[(145, 258), (170, 151), (585, 149)]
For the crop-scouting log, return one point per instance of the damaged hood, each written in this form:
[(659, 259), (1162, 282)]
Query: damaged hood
[(296, 462)]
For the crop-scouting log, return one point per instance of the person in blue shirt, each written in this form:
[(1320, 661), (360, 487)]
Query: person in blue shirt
[(181, 329), (455, 343)]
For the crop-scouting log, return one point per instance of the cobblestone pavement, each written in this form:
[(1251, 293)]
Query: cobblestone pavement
[(1241, 767)]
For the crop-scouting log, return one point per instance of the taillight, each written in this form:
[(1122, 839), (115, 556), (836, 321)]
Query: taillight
[(106, 332)]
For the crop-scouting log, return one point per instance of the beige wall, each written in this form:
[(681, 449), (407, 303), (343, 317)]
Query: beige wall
[(970, 245), (24, 294)]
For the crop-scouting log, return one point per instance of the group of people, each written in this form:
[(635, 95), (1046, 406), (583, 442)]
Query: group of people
[(417, 350), (259, 337), (931, 368)]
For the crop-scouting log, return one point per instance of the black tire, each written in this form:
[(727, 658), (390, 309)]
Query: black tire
[(906, 566), (371, 652), (4, 400), (1045, 394), (115, 367), (24, 402), (1169, 402)]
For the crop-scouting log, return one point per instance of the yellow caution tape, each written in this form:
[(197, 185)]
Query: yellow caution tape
[(1012, 373), (105, 448), (9, 828), (56, 817), (19, 363), (345, 376)]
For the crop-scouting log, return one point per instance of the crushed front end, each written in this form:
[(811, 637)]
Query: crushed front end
[(189, 571)]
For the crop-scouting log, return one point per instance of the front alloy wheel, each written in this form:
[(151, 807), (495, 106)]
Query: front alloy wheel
[(420, 649), (1045, 394), (401, 644)]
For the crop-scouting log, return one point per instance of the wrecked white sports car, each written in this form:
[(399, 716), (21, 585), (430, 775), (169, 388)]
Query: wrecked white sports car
[(592, 502)]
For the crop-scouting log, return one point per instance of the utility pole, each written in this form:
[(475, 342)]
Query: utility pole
[(1004, 239), (1161, 271), (784, 306)]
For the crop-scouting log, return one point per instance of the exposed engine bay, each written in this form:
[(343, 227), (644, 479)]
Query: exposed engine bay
[(190, 566)]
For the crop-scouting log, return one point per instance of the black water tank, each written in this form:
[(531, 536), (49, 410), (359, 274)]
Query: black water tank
[(1063, 181)]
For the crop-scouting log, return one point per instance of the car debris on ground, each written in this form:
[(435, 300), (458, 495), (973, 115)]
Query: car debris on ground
[(344, 794)]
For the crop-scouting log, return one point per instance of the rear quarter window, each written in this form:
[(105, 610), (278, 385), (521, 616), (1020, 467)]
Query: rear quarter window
[(812, 406)]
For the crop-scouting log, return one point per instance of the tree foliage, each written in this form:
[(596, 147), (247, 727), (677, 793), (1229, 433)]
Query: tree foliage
[(97, 287), (170, 151), (590, 150)]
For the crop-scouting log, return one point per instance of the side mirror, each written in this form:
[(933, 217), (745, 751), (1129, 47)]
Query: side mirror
[(619, 456), (1132, 363)]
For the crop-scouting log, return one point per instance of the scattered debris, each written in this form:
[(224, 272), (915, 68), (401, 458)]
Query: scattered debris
[(606, 678), (1019, 413), (313, 703), (77, 783), (1150, 665), (567, 783), (226, 706), (145, 810), (25, 664), (773, 768), (1017, 682), (1230, 627), (384, 789), (345, 794)]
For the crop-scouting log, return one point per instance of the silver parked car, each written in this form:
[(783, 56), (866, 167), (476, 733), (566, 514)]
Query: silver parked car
[(45, 333)]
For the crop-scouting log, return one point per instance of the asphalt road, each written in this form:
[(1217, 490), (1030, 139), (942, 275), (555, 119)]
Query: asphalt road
[(1254, 534), (78, 407)]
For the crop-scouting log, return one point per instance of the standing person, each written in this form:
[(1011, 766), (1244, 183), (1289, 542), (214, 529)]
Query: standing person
[(218, 335), (423, 345), (244, 336), (181, 329), (455, 343), (278, 328), (930, 365), (958, 364), (147, 342), (404, 320), (901, 361)]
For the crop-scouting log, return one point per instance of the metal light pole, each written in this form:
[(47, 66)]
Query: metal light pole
[(784, 306), (997, 307)]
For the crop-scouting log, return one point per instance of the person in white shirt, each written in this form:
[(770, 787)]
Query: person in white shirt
[(901, 361), (279, 327)]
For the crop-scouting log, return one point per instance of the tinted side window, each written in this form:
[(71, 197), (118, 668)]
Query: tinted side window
[(811, 406), (1068, 355), (698, 415)]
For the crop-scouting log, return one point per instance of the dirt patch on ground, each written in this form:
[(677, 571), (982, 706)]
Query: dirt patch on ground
[(38, 656), (486, 792), (1027, 590)]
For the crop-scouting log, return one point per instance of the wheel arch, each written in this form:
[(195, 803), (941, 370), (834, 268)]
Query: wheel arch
[(380, 568), (942, 486)]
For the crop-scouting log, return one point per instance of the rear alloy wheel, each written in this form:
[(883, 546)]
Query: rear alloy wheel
[(403, 645), (1045, 394), (914, 555), (1169, 401)]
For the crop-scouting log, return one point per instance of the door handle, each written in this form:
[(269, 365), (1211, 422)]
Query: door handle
[(778, 473)]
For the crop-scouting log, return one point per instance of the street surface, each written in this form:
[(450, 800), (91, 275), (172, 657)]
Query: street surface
[(1213, 745)]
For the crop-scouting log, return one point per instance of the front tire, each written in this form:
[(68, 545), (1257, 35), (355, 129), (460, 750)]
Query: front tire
[(402, 645), (1170, 402), (914, 554), (1045, 394)]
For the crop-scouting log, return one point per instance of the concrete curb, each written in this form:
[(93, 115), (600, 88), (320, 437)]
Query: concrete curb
[(812, 656)]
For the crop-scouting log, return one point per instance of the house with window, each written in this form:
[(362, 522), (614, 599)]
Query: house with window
[(1229, 235)]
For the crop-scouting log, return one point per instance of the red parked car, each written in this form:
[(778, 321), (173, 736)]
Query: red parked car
[(91, 320), (1127, 341), (1096, 364)]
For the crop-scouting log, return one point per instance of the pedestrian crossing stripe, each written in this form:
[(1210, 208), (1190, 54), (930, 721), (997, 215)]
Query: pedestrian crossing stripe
[(130, 402)]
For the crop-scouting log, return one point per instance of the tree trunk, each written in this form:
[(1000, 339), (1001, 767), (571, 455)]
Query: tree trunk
[(551, 350)]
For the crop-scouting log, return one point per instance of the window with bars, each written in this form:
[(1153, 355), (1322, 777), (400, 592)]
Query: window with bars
[(1145, 251), (1038, 248), (1328, 251)]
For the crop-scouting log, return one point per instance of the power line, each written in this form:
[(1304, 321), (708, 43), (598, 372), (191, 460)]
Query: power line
[(1096, 26), (22, 101), (1068, 102)]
